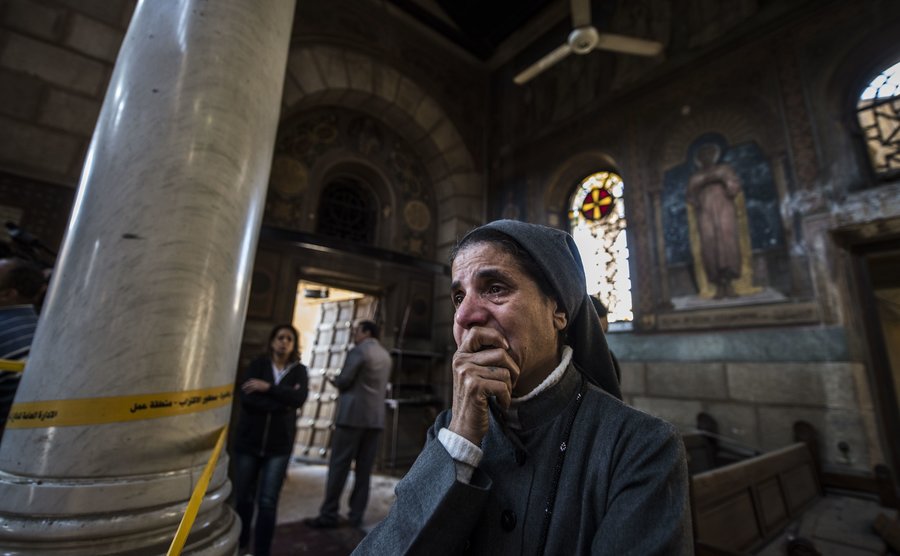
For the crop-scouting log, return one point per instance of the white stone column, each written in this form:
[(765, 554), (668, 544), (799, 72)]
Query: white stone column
[(148, 298)]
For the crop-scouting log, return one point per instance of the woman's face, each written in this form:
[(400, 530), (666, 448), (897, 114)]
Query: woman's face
[(491, 290), (283, 342)]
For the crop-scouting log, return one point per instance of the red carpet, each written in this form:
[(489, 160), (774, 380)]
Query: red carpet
[(296, 538)]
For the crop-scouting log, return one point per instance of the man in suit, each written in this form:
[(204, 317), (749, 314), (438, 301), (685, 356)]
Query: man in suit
[(358, 425)]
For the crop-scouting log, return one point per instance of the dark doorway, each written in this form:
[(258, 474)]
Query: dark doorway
[(324, 316), (877, 273)]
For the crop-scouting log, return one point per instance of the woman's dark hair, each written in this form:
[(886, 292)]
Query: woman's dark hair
[(511, 247), (602, 311), (295, 355)]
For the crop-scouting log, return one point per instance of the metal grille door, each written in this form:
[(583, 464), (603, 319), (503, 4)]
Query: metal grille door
[(332, 342)]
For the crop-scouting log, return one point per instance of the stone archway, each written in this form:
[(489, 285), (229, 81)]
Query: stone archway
[(324, 75)]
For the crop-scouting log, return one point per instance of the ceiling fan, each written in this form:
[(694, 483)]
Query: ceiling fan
[(584, 38)]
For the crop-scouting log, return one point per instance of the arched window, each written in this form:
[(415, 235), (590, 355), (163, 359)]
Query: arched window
[(347, 211), (878, 111), (597, 222)]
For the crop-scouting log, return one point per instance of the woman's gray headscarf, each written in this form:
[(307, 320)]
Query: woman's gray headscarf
[(556, 254)]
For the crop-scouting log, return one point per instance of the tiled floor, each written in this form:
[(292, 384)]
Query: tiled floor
[(304, 488)]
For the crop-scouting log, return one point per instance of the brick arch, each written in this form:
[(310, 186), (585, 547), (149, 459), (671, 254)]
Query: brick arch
[(324, 75)]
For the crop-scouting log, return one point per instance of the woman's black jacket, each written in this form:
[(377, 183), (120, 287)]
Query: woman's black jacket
[(268, 420)]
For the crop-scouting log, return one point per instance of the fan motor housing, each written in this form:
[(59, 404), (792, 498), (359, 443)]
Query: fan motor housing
[(583, 39)]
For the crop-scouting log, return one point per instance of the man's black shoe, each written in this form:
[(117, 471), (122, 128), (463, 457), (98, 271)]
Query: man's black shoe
[(319, 522)]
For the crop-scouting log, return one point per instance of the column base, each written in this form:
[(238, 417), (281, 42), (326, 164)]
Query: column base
[(78, 529)]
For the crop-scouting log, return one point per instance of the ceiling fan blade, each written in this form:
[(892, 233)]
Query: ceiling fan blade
[(553, 57), (629, 45), (581, 13)]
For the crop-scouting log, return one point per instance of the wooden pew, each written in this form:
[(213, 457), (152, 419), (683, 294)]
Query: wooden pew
[(706, 449), (741, 507), (775, 504), (701, 452)]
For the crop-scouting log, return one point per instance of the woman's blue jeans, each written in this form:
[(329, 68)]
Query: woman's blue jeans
[(258, 482)]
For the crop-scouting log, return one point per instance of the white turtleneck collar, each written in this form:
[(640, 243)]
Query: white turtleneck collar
[(551, 379)]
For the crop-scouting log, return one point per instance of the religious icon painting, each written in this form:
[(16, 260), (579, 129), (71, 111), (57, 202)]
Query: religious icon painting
[(719, 218)]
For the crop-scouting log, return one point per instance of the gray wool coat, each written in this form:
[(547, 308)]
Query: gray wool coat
[(362, 384), (623, 487)]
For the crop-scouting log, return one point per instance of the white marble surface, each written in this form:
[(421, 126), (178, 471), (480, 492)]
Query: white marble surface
[(150, 289)]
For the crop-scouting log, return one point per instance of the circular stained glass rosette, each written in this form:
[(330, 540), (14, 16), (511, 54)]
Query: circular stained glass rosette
[(597, 204)]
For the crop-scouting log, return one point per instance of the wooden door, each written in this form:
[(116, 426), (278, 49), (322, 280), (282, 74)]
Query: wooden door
[(876, 267), (332, 342)]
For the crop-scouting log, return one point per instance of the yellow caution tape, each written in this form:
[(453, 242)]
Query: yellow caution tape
[(190, 514), (119, 409), (11, 365)]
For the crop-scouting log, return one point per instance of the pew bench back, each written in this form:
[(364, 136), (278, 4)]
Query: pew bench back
[(743, 506)]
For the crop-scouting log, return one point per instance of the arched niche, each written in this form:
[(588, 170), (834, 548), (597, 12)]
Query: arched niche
[(321, 75), (342, 167), (316, 147)]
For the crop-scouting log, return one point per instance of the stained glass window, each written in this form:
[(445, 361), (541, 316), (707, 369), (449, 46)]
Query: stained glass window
[(597, 222), (878, 111)]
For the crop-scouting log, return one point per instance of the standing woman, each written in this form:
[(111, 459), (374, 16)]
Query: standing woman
[(276, 385)]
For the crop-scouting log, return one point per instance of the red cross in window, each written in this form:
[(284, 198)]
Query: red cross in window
[(597, 204)]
